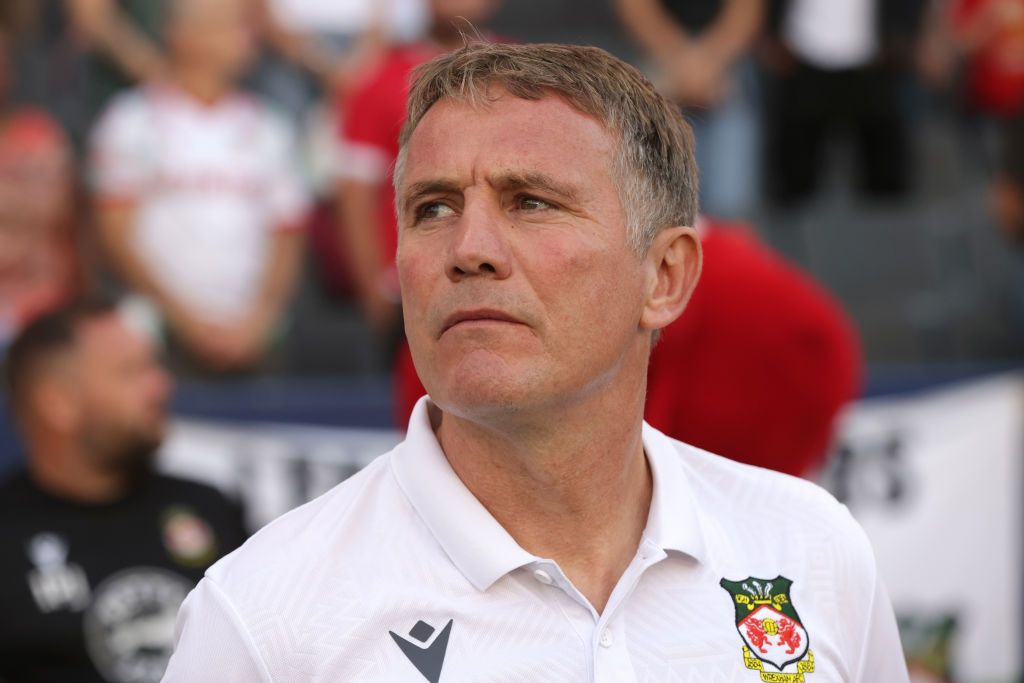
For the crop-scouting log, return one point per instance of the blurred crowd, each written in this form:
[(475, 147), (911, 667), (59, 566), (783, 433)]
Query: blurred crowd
[(214, 161), (218, 165), (222, 168)]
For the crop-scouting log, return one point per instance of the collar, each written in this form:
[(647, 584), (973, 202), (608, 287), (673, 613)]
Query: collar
[(674, 520), (481, 549), (476, 543)]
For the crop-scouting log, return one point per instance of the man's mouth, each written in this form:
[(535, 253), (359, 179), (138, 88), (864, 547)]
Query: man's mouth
[(478, 315)]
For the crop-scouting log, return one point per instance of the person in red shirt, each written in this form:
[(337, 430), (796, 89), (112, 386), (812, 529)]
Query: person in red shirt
[(757, 368), (371, 119), (760, 345), (990, 33)]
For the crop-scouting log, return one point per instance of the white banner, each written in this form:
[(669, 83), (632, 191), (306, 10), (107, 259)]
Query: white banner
[(935, 478)]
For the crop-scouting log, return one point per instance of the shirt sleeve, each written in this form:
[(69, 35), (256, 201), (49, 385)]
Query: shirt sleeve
[(366, 132), (120, 153), (882, 656), (876, 652), (288, 197), (211, 643)]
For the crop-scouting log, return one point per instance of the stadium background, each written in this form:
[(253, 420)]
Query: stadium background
[(929, 459)]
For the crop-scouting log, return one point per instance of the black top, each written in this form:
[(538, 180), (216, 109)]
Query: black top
[(90, 592), (694, 15)]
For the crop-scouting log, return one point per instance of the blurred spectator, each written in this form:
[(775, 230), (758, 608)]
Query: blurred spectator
[(37, 257), (837, 66), (1008, 190), (368, 232), (99, 551), (701, 48), (334, 41), (759, 345), (990, 34), (199, 198), (48, 62), (124, 43)]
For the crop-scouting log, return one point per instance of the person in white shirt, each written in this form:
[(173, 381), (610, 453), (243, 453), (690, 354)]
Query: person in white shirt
[(531, 526), (199, 194)]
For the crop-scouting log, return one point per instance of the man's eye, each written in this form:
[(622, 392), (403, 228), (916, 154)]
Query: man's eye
[(432, 210), (527, 203)]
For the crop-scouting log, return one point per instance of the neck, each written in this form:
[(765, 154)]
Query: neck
[(65, 472), (200, 83), (574, 486)]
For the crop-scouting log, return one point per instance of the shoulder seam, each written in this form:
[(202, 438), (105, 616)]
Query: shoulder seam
[(225, 602)]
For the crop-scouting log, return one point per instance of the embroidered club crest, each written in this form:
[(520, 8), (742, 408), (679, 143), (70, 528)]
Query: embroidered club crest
[(773, 637)]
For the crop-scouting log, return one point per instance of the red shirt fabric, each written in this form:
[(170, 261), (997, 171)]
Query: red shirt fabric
[(995, 72), (373, 118), (756, 369), (760, 364)]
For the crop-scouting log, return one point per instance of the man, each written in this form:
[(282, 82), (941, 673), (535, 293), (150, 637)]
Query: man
[(99, 551), (530, 527), (199, 195), (370, 122)]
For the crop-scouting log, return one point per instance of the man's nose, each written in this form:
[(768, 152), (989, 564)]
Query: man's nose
[(479, 244)]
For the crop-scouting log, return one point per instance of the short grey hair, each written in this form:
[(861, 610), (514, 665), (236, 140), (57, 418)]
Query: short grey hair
[(655, 164)]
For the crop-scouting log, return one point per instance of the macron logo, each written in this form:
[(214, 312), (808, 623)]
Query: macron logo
[(428, 659)]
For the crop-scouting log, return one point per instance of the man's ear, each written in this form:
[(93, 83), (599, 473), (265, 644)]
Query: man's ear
[(673, 264)]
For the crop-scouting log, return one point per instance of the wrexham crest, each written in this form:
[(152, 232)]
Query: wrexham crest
[(773, 637)]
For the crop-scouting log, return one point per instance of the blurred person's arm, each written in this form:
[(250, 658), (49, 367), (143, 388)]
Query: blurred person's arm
[(360, 228), (120, 166), (734, 31), (303, 50), (935, 50), (695, 66), (106, 29), (242, 345), (368, 136), (115, 218)]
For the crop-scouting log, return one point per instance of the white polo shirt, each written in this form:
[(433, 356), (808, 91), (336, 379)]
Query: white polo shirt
[(210, 185), (400, 574)]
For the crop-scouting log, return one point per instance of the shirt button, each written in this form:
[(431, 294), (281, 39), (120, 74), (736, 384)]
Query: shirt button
[(543, 577), (606, 638)]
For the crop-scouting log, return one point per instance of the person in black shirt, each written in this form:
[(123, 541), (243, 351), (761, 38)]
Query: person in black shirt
[(98, 549)]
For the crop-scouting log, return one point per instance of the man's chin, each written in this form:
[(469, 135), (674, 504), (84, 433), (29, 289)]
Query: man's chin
[(490, 400)]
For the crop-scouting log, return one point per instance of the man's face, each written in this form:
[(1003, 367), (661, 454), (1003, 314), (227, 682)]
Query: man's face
[(122, 393), (519, 288)]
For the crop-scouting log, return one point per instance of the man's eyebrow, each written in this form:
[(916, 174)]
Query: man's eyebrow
[(424, 188), (505, 181), (536, 181)]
